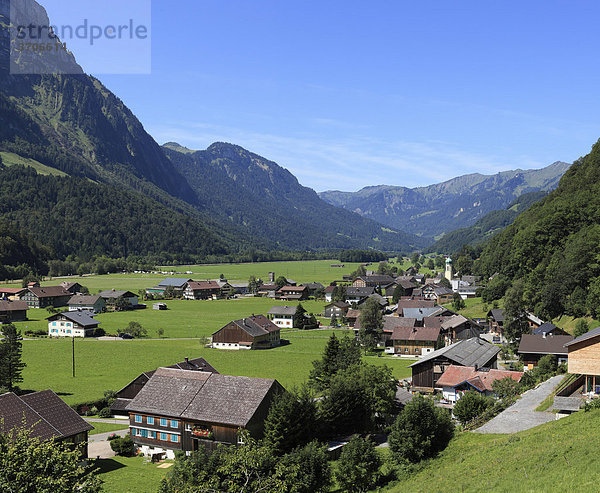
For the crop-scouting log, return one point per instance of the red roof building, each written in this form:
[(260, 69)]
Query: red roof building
[(457, 380)]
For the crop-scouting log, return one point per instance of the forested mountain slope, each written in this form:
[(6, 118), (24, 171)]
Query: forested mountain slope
[(486, 227), (553, 246)]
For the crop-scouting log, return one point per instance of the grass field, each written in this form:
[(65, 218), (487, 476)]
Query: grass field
[(11, 159), (129, 475), (107, 427), (554, 457), (110, 365), (184, 318)]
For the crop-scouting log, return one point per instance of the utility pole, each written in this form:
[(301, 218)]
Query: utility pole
[(73, 346)]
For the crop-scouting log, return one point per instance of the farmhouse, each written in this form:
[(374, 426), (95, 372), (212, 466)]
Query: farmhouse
[(13, 311), (411, 342), (329, 293), (313, 287), (292, 293), (46, 416), (255, 332), (72, 324), (496, 319), (412, 303), (337, 309), (187, 410), (282, 316), (202, 290), (95, 304), (534, 346), (111, 298), (38, 297), (375, 281), (177, 283), (240, 287), (268, 290), (128, 393), (357, 294), (71, 287), (471, 352), (457, 380), (12, 294)]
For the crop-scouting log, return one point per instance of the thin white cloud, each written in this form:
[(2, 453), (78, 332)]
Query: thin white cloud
[(346, 163)]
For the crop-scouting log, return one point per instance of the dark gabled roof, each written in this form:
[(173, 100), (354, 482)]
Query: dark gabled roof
[(497, 314), (358, 291), (391, 323), (353, 313), (255, 326), (13, 306), (548, 327), (314, 285), (83, 300), (421, 313), (45, 414), (293, 288), (406, 284), (378, 279), (441, 291), (330, 289), (282, 310), (538, 344), (588, 335), (82, 318), (404, 304), (203, 285), (470, 352), (113, 293), (50, 292), (201, 396), (430, 334), (176, 282)]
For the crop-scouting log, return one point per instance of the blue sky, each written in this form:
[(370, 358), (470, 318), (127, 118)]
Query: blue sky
[(347, 94)]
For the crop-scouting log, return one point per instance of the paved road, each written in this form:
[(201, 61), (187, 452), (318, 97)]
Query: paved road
[(522, 414), (99, 446), (124, 422)]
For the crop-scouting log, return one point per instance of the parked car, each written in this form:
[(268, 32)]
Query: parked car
[(122, 335)]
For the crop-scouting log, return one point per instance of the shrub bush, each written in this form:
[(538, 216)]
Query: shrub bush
[(105, 412), (122, 446)]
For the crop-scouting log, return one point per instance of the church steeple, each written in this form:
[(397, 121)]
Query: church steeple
[(448, 274)]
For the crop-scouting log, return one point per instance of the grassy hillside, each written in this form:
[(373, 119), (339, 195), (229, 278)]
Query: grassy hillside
[(558, 456)]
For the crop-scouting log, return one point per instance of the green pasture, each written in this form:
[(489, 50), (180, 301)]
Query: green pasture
[(107, 427), (110, 365), (557, 456), (184, 318), (129, 475), (301, 271)]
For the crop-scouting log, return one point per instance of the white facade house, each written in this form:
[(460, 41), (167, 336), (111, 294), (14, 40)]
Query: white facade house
[(72, 324), (282, 316)]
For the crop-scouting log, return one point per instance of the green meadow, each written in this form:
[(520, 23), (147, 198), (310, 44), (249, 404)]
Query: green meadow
[(129, 475), (110, 365), (554, 457), (184, 318)]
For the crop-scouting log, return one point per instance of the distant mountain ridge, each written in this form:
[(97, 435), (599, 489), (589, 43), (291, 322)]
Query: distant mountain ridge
[(486, 227), (457, 203), (267, 200)]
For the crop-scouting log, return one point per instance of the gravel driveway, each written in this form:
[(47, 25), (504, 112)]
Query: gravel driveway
[(522, 414)]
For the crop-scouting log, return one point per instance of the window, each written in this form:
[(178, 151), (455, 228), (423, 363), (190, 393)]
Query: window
[(138, 418), (150, 420), (163, 422), (144, 433), (133, 432), (175, 438), (164, 437), (151, 434), (54, 324), (174, 423)]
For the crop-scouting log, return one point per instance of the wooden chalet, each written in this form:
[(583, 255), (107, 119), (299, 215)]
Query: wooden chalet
[(202, 290), (38, 297), (255, 332), (13, 311), (268, 290), (534, 346), (179, 410), (128, 393), (355, 295), (414, 342), (337, 309), (474, 352), (584, 359), (496, 319), (46, 416), (292, 293), (71, 287), (352, 316)]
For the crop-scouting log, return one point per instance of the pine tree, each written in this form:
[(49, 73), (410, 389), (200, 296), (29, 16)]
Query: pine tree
[(327, 366), (299, 317), (371, 324), (11, 365)]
